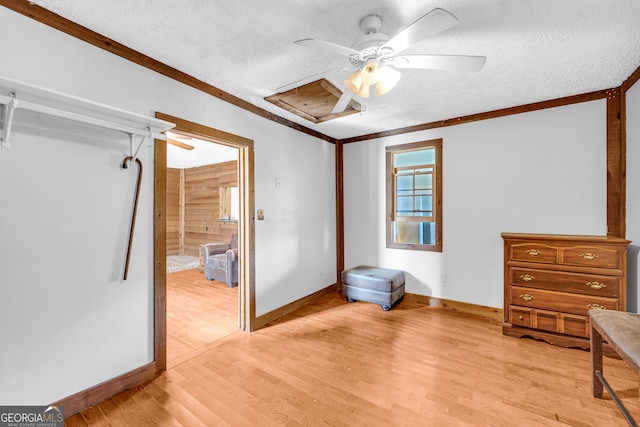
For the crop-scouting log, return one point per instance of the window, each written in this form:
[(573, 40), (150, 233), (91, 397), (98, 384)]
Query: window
[(229, 203), (414, 196)]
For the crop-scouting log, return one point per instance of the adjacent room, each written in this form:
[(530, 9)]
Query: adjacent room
[(413, 213), (202, 220)]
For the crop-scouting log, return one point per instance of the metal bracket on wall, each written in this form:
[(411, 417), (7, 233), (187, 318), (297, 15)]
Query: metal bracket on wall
[(7, 120), (133, 151)]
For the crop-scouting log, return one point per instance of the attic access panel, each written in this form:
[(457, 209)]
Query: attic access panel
[(313, 101)]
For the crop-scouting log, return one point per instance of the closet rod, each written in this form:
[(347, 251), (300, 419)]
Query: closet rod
[(12, 103)]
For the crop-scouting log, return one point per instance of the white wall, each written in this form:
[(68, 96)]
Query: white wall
[(297, 237), (537, 172), (67, 322), (633, 194)]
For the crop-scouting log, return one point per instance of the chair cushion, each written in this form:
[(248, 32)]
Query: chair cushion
[(210, 249)]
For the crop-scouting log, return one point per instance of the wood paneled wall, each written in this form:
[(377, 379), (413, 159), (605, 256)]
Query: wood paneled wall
[(173, 211), (193, 207)]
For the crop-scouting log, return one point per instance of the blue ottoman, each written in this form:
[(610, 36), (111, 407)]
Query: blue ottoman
[(373, 284)]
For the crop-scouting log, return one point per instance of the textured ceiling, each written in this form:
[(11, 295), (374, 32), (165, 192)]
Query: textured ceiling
[(536, 50), (203, 153)]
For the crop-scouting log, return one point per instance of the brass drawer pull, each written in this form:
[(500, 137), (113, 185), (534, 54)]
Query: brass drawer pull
[(527, 277), (596, 285), (598, 306), (521, 317), (527, 297), (589, 256), (532, 252)]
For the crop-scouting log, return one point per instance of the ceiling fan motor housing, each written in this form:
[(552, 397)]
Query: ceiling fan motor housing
[(370, 23), (369, 44)]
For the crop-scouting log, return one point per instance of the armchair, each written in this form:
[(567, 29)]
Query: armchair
[(221, 261)]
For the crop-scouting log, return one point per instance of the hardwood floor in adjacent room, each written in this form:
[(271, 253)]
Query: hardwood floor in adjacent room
[(338, 364), (199, 312)]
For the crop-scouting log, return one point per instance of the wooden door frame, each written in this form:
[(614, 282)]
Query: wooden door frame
[(246, 230)]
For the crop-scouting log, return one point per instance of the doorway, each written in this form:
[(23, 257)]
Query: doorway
[(202, 217), (245, 229)]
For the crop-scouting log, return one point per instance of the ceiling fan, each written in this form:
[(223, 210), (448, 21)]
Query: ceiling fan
[(375, 56)]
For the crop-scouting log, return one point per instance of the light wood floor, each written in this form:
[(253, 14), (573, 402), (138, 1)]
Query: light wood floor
[(199, 312), (338, 364)]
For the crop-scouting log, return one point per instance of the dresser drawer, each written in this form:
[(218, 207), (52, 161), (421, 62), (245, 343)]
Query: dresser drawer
[(534, 252), (592, 256), (521, 316), (551, 321), (532, 318), (560, 301), (578, 326), (588, 284)]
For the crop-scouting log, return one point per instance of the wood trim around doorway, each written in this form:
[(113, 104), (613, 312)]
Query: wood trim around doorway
[(246, 229)]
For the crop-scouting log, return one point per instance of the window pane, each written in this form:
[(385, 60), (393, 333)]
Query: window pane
[(404, 182), (235, 202), (423, 203), (404, 206), (418, 233), (429, 230), (424, 181), (417, 157)]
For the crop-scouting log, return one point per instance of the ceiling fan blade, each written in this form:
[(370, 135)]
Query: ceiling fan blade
[(329, 47), (441, 62), (179, 144), (342, 103), (174, 135), (430, 24), (309, 79)]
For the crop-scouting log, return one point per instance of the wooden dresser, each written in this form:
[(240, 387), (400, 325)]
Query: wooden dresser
[(551, 281)]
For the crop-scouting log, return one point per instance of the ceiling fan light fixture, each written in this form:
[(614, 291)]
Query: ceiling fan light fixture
[(354, 82), (364, 91), (370, 73), (360, 80), (387, 80)]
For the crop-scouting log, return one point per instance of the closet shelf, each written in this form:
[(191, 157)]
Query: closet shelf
[(15, 95)]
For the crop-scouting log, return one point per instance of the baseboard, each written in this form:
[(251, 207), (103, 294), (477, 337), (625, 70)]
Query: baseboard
[(292, 306), (100, 392), (491, 313)]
